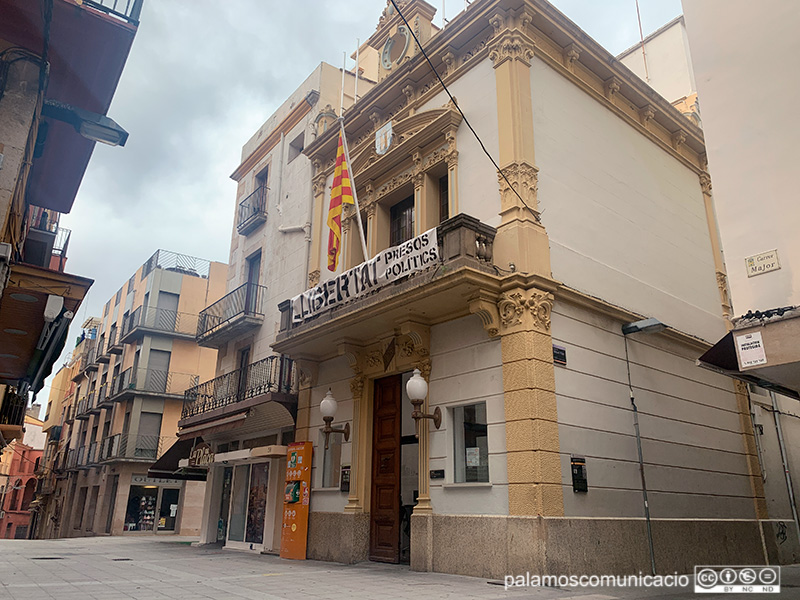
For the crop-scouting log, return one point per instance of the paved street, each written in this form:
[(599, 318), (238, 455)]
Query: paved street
[(170, 568)]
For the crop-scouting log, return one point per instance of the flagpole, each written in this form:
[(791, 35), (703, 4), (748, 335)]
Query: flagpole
[(353, 189), (355, 91), (341, 98)]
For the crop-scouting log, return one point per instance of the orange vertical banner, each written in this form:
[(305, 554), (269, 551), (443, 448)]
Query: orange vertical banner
[(297, 496)]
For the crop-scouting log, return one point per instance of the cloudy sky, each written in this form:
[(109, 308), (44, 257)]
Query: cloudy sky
[(201, 77)]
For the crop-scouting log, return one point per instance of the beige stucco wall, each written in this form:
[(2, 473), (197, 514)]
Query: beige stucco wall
[(626, 220), (691, 441), (749, 105)]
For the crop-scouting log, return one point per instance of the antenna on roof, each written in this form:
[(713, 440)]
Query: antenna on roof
[(641, 39)]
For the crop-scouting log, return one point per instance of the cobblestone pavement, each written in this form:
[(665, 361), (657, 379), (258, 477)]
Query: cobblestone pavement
[(159, 568)]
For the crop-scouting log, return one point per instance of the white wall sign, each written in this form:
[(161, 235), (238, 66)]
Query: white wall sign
[(390, 265), (751, 350), (762, 263), (473, 457)]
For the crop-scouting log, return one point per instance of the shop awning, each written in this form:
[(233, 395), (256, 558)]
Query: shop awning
[(721, 357), (167, 465)]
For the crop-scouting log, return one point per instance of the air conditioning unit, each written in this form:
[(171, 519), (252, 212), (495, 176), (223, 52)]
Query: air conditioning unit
[(5, 252)]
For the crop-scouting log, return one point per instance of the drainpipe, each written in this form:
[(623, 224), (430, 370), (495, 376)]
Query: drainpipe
[(280, 176), (785, 461)]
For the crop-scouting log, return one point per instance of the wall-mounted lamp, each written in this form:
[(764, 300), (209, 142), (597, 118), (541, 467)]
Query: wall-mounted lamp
[(651, 325), (328, 408), (417, 389)]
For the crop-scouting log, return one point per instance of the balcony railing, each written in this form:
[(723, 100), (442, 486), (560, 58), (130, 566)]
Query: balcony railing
[(103, 395), (159, 320), (55, 434), (151, 381), (252, 211), (463, 241), (81, 409), (127, 10), (124, 446), (114, 341), (272, 374), (12, 411), (179, 263), (231, 315)]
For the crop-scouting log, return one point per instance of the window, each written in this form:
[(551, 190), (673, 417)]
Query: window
[(331, 460), (471, 443), (444, 199), (295, 147), (401, 221)]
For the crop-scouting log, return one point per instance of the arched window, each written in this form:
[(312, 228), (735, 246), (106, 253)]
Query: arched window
[(30, 492)]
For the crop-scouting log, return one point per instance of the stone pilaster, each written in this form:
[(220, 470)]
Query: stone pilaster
[(713, 232), (521, 240), (307, 379)]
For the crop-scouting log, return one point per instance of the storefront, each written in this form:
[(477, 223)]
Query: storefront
[(153, 505), (244, 498)]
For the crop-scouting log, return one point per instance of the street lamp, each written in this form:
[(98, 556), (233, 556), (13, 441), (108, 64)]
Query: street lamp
[(651, 325), (417, 389), (92, 126), (328, 408)]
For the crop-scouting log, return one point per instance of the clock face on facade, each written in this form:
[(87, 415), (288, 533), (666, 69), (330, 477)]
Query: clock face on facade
[(395, 48)]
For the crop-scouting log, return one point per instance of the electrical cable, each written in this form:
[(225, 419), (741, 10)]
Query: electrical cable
[(463, 116)]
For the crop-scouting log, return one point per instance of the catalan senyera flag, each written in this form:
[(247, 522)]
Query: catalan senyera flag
[(341, 193)]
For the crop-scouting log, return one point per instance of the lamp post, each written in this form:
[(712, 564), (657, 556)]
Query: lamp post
[(328, 408), (417, 390), (651, 325)]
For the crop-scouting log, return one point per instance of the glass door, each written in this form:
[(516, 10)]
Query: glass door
[(248, 506), (168, 513), (238, 515)]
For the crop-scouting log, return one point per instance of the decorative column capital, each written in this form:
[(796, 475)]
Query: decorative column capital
[(705, 183), (514, 46)]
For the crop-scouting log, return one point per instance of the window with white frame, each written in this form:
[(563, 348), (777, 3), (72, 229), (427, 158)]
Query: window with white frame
[(471, 447)]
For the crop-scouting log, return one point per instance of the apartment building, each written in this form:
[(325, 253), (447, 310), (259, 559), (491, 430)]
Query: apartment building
[(130, 370), (60, 62), (246, 414)]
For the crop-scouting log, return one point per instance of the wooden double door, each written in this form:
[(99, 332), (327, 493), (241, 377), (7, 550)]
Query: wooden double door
[(384, 537)]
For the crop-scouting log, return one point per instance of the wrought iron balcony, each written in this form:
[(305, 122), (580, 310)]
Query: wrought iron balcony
[(114, 341), (86, 360), (69, 414), (252, 211), (274, 374), (93, 402), (81, 409), (124, 446), (231, 315), (151, 382), (55, 434), (104, 395), (158, 320), (102, 356)]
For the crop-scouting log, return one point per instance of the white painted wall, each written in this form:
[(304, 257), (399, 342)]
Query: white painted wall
[(476, 92), (669, 64), (749, 98), (691, 441), (626, 220), (466, 367), (34, 436)]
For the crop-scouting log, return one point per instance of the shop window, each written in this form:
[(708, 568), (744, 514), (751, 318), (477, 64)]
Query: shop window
[(267, 440), (141, 511), (401, 221), (241, 481), (471, 449), (444, 199), (331, 460)]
